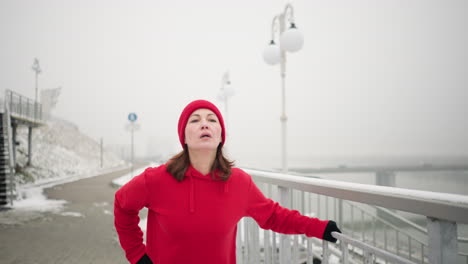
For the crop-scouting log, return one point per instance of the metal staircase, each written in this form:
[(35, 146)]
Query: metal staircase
[(16, 110), (7, 168)]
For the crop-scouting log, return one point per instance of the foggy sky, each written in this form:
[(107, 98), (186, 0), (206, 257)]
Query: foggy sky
[(373, 77)]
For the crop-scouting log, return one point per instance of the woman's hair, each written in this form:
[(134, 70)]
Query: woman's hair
[(179, 164)]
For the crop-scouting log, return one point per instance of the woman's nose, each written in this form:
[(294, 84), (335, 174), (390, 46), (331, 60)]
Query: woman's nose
[(204, 124)]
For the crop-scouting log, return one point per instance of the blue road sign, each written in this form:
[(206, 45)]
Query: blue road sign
[(132, 117)]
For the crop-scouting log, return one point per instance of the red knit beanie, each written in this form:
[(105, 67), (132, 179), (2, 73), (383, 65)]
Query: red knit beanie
[(192, 107)]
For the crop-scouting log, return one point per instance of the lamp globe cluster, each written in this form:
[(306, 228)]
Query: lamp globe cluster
[(290, 40)]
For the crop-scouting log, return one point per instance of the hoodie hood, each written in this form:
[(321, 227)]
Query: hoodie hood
[(193, 175)]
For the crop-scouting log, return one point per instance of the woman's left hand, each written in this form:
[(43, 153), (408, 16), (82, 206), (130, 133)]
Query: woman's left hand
[(331, 227)]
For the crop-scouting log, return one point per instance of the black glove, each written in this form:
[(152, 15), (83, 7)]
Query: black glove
[(331, 227), (145, 260)]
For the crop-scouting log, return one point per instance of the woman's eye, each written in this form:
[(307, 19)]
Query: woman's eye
[(213, 120), (194, 121)]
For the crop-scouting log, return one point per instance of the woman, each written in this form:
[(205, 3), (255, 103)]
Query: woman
[(196, 200)]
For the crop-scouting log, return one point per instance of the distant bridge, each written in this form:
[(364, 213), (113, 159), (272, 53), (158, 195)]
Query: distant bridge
[(16, 110), (400, 168)]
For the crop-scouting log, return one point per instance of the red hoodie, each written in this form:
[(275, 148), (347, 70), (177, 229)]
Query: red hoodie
[(195, 220)]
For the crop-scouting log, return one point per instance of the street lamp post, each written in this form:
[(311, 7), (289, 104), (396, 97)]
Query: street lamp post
[(290, 40), (37, 69), (225, 92)]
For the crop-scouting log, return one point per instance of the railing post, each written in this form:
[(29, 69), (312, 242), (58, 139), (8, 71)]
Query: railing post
[(442, 240), (11, 101), (266, 233), (14, 127), (248, 239), (20, 106), (30, 131), (325, 253), (239, 246), (285, 242), (273, 256), (345, 252), (310, 251), (256, 244), (340, 213)]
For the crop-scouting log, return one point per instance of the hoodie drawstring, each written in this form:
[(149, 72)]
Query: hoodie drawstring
[(192, 196)]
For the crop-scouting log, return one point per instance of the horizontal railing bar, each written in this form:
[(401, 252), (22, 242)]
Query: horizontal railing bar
[(368, 248), (446, 206)]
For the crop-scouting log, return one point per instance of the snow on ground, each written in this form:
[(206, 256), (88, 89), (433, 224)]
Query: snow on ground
[(31, 196), (107, 212), (34, 199), (74, 214), (31, 201), (61, 154)]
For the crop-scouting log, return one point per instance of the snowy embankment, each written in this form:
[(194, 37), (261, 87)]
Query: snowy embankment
[(60, 150), (60, 154)]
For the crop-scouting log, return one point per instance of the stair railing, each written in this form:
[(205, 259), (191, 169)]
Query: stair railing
[(9, 142), (23, 107)]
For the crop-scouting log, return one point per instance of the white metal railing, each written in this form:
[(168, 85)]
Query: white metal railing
[(386, 176), (443, 212)]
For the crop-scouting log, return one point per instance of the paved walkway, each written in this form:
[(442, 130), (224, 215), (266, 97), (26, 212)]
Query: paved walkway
[(83, 232)]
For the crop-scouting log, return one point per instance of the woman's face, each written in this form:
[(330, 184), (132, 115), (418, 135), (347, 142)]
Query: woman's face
[(203, 130)]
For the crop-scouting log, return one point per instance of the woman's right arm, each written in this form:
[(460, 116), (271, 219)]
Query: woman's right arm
[(129, 200)]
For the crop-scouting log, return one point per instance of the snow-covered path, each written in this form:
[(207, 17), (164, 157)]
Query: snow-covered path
[(81, 232)]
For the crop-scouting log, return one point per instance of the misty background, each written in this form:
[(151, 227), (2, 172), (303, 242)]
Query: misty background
[(373, 79)]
